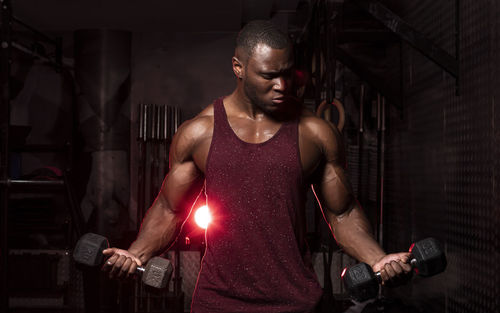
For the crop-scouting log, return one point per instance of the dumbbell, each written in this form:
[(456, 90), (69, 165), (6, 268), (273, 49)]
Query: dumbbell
[(427, 259), (88, 252)]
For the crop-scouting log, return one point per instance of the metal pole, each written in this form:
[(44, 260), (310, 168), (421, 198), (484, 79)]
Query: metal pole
[(457, 46), (5, 55), (360, 141), (381, 164), (141, 175)]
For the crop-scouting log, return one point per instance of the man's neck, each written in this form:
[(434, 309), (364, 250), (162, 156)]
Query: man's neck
[(240, 105)]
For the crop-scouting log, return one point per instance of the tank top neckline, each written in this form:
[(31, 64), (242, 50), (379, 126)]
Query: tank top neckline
[(231, 130)]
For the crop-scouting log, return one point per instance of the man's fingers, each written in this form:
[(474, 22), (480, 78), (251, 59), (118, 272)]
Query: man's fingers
[(120, 264), (383, 275), (396, 267), (124, 268), (108, 265), (131, 270), (117, 266), (389, 270), (405, 266), (109, 251)]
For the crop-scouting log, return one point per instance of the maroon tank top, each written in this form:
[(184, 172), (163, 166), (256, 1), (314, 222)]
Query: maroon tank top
[(256, 259)]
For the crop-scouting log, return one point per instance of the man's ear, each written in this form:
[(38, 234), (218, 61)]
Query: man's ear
[(237, 67)]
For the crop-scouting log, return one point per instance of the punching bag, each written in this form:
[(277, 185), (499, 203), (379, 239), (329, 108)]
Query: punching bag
[(102, 73)]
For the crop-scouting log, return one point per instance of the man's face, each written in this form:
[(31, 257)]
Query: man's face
[(267, 79)]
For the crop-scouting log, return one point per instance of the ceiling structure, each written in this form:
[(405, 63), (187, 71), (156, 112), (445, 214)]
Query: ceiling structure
[(147, 15)]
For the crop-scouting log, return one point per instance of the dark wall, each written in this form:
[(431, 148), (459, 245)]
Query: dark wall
[(442, 157), (185, 70)]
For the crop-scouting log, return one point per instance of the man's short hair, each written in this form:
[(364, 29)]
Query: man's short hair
[(261, 31)]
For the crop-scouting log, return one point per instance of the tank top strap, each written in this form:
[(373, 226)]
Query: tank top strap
[(221, 124), (289, 131)]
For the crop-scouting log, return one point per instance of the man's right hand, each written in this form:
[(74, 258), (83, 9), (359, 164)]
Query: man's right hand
[(120, 263)]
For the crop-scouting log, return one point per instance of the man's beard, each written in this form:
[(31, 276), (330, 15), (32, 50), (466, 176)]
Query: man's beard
[(251, 94)]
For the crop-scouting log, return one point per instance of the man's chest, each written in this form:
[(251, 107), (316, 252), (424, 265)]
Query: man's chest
[(309, 154)]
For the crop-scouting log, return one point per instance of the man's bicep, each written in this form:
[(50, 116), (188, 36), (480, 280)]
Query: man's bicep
[(335, 192), (182, 186), (331, 182), (184, 181)]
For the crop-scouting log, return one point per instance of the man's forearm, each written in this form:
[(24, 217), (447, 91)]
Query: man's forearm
[(353, 233), (159, 229)]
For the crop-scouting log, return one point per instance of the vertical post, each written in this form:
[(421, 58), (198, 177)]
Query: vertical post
[(457, 45), (317, 55), (361, 131), (142, 165), (328, 64), (381, 165), (5, 56)]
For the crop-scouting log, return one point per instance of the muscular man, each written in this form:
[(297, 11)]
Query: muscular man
[(257, 151)]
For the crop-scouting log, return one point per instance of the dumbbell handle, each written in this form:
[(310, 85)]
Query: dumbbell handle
[(140, 269), (413, 263), (153, 277)]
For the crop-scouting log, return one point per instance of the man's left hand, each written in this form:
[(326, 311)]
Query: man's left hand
[(394, 268)]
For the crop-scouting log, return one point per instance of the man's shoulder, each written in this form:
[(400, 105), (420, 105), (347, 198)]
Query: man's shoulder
[(199, 125), (316, 128), (195, 130)]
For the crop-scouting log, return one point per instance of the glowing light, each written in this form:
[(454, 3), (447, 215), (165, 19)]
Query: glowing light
[(202, 217), (343, 272)]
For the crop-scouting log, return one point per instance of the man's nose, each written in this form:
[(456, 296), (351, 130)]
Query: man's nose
[(280, 84)]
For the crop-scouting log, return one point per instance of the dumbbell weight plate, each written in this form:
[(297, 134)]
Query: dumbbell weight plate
[(157, 272), (360, 281), (88, 249), (429, 257)]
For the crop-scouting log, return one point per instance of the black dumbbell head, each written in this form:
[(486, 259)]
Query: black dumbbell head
[(88, 250), (428, 257), (157, 272), (360, 282)]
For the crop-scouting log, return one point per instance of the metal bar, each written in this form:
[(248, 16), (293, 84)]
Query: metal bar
[(361, 131), (410, 35), (141, 171), (378, 36), (57, 61), (381, 165), (317, 55), (328, 61), (161, 124), (457, 45), (43, 148), (157, 122), (30, 183), (155, 151), (376, 82), (177, 119), (177, 269), (166, 135), (401, 79), (141, 121), (74, 207), (170, 128), (37, 32), (5, 55), (29, 51)]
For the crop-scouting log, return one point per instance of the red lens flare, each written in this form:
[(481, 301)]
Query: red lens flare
[(202, 217)]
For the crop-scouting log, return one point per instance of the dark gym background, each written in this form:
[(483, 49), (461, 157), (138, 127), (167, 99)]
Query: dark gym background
[(77, 154)]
